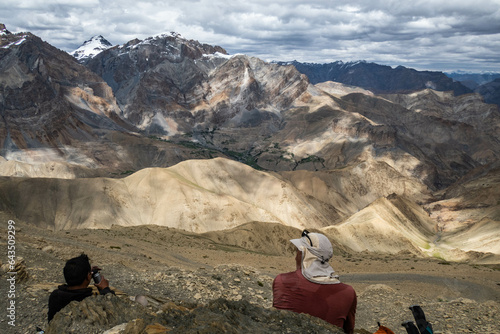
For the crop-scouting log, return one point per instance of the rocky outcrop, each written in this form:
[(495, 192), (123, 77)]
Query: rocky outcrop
[(3, 30), (17, 270), (243, 87), (122, 316), (155, 78)]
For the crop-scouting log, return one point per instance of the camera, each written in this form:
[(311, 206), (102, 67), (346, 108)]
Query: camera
[(96, 276)]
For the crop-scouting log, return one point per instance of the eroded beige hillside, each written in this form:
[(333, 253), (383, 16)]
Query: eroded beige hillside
[(199, 196), (365, 208)]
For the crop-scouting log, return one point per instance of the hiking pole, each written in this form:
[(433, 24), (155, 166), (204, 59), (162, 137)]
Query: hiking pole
[(423, 325)]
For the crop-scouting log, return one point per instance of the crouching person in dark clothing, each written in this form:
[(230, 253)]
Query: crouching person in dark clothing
[(78, 274)]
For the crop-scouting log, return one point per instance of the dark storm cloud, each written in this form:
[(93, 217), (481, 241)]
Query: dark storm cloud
[(439, 35)]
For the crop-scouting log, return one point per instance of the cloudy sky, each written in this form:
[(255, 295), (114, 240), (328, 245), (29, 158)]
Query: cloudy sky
[(422, 34)]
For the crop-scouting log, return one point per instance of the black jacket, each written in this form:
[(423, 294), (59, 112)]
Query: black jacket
[(62, 296)]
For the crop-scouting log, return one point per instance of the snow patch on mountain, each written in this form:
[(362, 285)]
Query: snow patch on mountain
[(218, 55), (17, 42), (339, 63), (91, 48)]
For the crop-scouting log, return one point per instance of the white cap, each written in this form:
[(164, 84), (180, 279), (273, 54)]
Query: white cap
[(316, 243), (316, 251)]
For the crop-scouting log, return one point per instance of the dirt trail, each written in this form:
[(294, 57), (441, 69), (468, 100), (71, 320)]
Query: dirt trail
[(430, 285)]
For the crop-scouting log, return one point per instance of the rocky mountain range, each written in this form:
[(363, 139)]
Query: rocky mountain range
[(167, 85), (214, 141), (371, 76)]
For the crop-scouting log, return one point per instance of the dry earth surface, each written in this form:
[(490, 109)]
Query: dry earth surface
[(186, 269)]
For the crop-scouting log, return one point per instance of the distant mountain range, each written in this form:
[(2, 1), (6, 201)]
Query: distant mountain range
[(473, 80), (382, 79)]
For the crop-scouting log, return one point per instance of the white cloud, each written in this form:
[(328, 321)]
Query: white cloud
[(423, 34)]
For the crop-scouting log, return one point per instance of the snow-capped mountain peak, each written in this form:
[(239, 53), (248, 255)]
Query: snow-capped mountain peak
[(91, 48)]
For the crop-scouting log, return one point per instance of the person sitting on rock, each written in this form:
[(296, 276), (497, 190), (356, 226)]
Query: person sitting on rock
[(313, 288), (77, 273)]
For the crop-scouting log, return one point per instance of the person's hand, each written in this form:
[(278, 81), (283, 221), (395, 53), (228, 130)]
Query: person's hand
[(104, 283)]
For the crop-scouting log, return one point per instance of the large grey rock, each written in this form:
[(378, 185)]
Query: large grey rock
[(101, 313), (95, 314)]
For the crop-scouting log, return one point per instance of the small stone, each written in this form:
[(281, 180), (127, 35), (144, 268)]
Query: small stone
[(141, 300), (173, 306), (155, 329), (117, 329), (48, 249), (135, 326)]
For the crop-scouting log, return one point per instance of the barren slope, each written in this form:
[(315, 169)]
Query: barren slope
[(198, 195), (387, 226), (468, 216)]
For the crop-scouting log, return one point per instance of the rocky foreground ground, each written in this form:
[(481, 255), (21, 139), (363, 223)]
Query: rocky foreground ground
[(195, 285)]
